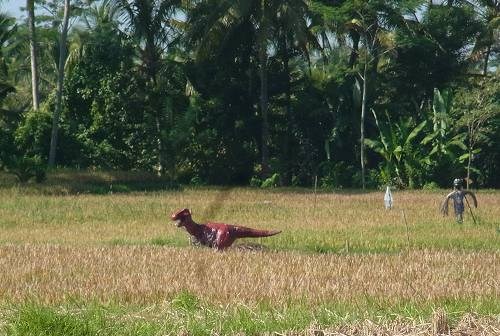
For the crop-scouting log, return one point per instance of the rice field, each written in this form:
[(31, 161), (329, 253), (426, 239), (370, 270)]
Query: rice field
[(110, 259), (153, 275)]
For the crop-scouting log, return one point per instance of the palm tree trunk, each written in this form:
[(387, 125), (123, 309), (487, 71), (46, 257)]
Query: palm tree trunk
[(324, 43), (30, 5), (159, 144), (469, 160), (353, 57), (264, 109), (468, 167), (486, 60), (287, 178), (60, 82), (362, 126), (157, 111)]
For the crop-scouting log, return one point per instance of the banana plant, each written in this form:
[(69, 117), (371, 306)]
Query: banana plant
[(396, 145), (442, 140)]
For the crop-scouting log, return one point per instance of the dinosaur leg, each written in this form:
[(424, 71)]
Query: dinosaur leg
[(194, 241)]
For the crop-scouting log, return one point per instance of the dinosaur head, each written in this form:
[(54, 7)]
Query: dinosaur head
[(181, 216)]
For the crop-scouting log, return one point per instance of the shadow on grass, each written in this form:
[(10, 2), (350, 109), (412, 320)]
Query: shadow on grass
[(217, 204), (68, 182), (321, 191)]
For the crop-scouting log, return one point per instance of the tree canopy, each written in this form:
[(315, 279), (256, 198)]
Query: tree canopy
[(349, 93)]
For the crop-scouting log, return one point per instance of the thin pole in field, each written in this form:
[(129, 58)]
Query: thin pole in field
[(470, 209), (407, 229)]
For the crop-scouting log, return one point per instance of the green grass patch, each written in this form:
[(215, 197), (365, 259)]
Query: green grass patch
[(187, 313)]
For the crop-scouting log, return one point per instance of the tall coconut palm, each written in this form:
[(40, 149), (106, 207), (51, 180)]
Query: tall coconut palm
[(487, 42), (60, 83), (149, 23), (7, 30), (292, 36), (365, 24), (212, 21), (218, 19), (30, 7), (105, 13)]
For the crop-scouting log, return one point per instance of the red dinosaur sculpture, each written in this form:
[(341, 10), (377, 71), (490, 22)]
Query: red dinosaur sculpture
[(216, 235)]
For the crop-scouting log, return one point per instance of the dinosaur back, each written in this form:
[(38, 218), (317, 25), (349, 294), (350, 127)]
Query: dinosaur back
[(245, 232), (237, 231)]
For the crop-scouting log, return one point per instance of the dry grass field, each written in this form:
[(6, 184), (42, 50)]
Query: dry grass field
[(341, 257), (154, 275)]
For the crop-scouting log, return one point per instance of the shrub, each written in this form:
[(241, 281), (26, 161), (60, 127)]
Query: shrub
[(255, 181), (336, 175), (271, 182), (26, 168), (430, 186)]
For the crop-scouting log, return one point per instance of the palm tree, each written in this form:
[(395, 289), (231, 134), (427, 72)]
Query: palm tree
[(60, 82), (30, 7), (149, 23), (96, 18), (487, 41), (369, 32), (292, 36), (365, 24), (7, 30), (106, 13), (212, 21)]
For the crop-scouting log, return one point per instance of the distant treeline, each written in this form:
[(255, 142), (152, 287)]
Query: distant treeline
[(269, 93)]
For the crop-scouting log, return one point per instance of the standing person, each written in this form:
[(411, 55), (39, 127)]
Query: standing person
[(458, 195)]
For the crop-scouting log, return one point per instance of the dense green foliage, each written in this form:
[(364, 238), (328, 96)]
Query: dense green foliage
[(261, 92)]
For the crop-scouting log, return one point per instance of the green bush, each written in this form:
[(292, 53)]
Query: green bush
[(25, 168), (430, 186), (336, 175), (32, 137), (255, 181), (271, 182)]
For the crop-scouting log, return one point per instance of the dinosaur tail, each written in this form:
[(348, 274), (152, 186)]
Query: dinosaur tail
[(244, 232)]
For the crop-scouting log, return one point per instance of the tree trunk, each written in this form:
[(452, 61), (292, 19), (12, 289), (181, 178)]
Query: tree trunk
[(468, 167), (486, 60), (159, 143), (362, 126), (263, 91), (471, 145), (154, 102), (60, 82), (30, 6), (151, 61), (325, 44), (353, 57), (287, 176), (264, 109)]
